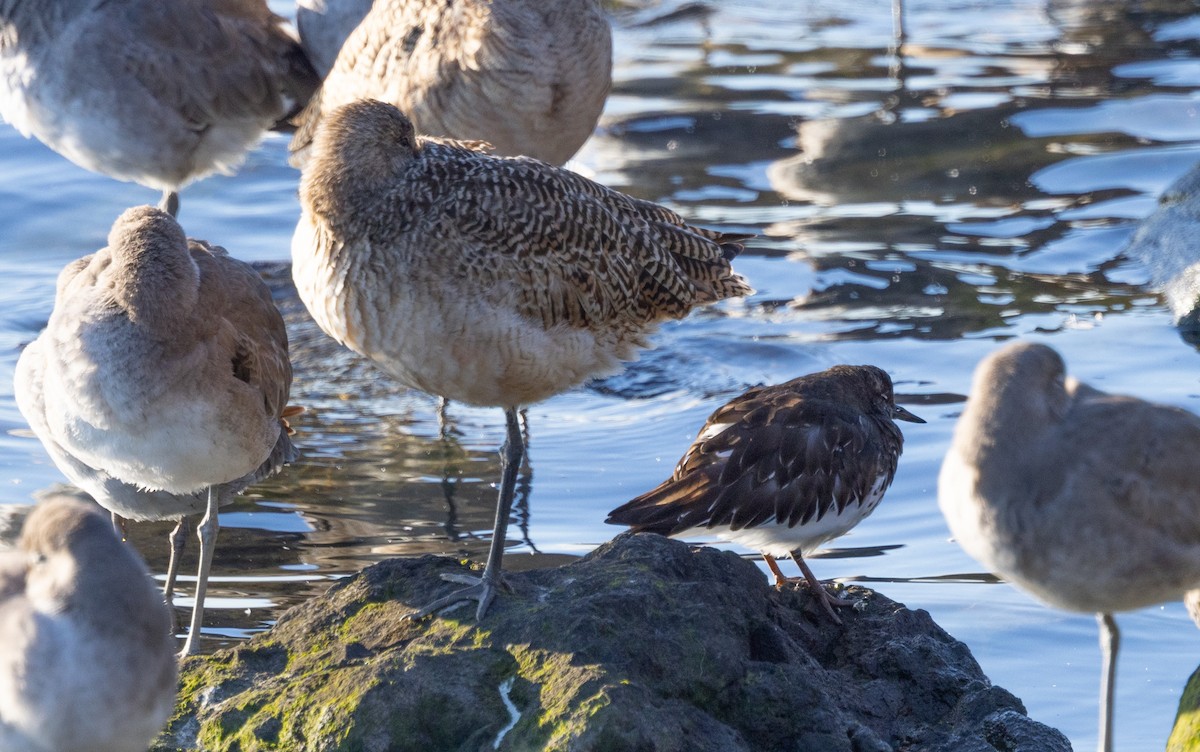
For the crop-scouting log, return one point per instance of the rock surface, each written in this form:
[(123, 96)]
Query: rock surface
[(1168, 243), (645, 644), (1185, 736)]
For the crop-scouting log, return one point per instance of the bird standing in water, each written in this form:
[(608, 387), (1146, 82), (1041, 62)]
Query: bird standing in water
[(491, 281), (160, 382), (157, 93), (1084, 499)]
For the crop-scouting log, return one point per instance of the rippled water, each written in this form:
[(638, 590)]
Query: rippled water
[(913, 207)]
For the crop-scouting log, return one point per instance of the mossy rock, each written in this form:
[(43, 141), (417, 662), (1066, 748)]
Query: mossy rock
[(1185, 736), (646, 644)]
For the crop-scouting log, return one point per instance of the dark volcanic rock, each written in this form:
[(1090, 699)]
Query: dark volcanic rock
[(645, 644)]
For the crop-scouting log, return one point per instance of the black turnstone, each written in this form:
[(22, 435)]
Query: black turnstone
[(1084, 499), (783, 469)]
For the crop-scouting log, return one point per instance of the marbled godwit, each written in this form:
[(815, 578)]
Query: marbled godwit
[(160, 382), (157, 93), (528, 76), (1086, 500), (486, 280), (783, 469)]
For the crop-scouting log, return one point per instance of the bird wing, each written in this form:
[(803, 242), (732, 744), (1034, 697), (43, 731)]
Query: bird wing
[(203, 61), (234, 292), (572, 251), (1139, 454)]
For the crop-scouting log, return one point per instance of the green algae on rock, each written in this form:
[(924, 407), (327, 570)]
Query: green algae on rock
[(646, 643), (1185, 736)]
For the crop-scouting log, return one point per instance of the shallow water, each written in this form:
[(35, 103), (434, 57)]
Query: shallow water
[(911, 210)]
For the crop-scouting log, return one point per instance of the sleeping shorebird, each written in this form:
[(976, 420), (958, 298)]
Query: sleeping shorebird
[(87, 659), (486, 280), (530, 77), (160, 382), (157, 93), (1085, 499), (783, 469)]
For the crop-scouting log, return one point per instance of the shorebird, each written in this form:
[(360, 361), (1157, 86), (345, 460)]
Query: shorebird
[(86, 652), (1084, 499), (157, 93), (530, 77), (783, 469), (487, 280), (160, 382)]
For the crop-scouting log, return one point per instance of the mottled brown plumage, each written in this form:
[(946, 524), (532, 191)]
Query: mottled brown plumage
[(556, 277), (487, 280), (528, 76), (783, 468)]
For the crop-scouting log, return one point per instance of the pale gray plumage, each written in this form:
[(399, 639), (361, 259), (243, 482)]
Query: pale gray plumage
[(530, 77), (1087, 500), (161, 380), (87, 659), (158, 93), (486, 280), (324, 26)]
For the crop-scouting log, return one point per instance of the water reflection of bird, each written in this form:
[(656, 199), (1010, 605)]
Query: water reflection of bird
[(490, 281), (783, 468), (158, 93), (528, 76), (87, 660), (1082, 498), (160, 382)]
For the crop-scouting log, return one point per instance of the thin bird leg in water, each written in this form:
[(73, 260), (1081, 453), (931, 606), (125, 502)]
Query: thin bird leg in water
[(1110, 642), (818, 590), (177, 539), (207, 531), (483, 589)]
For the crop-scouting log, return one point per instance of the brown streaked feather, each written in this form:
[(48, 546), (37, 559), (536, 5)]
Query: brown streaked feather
[(792, 452), (580, 254)]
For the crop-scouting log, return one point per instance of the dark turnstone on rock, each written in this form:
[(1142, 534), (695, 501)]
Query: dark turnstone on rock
[(783, 469), (1085, 499), (87, 659), (486, 280), (160, 383)]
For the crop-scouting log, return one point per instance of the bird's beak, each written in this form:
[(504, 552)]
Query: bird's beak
[(899, 413)]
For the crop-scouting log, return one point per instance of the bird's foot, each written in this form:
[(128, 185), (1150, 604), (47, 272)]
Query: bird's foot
[(481, 589), (819, 591)]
